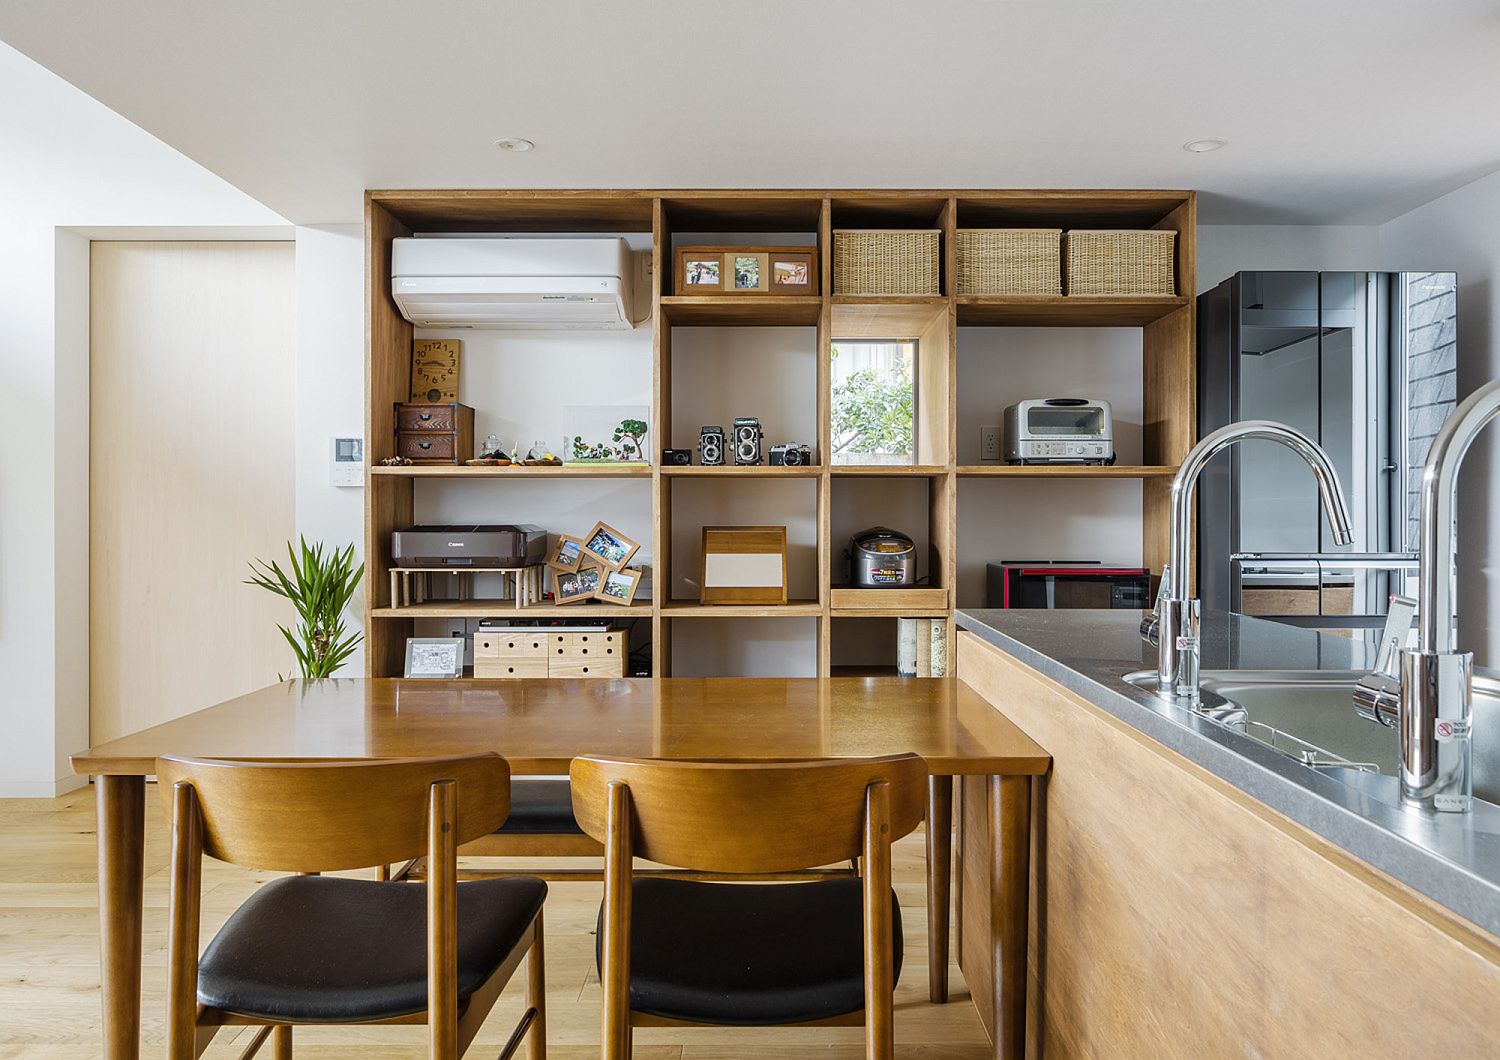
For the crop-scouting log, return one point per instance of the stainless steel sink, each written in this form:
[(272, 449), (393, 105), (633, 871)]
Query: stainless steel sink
[(1309, 715)]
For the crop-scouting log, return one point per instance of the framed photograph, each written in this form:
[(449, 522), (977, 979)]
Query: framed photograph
[(434, 656), (582, 584), (747, 270), (618, 586), (750, 272), (700, 270), (792, 272), (608, 546), (568, 554)]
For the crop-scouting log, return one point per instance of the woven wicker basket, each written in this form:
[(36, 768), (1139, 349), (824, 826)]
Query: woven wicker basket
[(885, 261), (1009, 261), (1099, 262)]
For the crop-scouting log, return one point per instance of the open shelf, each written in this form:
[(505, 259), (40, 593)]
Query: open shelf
[(862, 671), (888, 470), (914, 602), (514, 471), (693, 609), (508, 609), (741, 471), (1067, 471), (1065, 310), (763, 310)]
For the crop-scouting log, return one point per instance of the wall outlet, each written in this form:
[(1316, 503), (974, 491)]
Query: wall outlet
[(989, 443)]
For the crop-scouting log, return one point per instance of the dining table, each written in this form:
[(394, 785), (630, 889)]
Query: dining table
[(541, 725)]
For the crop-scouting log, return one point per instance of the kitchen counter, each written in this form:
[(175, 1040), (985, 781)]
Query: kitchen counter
[(1452, 859)]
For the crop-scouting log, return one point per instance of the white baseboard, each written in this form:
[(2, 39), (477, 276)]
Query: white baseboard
[(40, 789)]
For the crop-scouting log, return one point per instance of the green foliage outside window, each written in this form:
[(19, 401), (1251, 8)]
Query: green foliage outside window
[(872, 410)]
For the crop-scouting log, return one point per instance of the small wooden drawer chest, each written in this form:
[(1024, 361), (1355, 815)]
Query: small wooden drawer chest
[(434, 434), (510, 654)]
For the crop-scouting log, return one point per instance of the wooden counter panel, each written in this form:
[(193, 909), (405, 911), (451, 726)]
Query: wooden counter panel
[(1177, 917)]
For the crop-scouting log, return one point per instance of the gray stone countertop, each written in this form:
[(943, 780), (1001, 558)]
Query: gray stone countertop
[(1453, 859)]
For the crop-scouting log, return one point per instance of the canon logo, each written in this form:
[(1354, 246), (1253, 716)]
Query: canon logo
[(455, 544)]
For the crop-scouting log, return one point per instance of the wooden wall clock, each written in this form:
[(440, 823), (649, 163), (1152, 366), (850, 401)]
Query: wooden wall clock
[(434, 370)]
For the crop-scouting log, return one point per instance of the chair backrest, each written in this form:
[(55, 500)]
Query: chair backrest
[(327, 816), (748, 817)]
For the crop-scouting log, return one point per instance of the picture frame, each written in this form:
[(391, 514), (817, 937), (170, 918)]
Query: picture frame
[(608, 547), (571, 586), (567, 554), (700, 270), (793, 272), (746, 271), (619, 586), (434, 658)]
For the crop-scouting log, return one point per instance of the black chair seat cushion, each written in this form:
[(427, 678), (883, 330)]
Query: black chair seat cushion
[(749, 954), (323, 949), (540, 807)]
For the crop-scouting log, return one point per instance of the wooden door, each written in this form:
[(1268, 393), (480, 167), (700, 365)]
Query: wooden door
[(190, 474)]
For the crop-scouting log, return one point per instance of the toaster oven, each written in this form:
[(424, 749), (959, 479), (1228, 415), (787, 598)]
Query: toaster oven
[(1067, 584), (1059, 431)]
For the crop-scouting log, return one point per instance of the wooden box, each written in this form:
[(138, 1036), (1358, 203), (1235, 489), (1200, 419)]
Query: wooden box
[(743, 565), (435, 434), (540, 652)]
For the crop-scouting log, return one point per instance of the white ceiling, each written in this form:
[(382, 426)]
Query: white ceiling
[(1338, 111)]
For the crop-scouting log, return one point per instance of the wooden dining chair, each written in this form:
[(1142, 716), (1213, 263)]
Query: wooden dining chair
[(312, 949), (681, 952)]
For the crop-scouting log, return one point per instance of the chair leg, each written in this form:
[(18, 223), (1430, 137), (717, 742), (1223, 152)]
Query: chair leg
[(536, 994), (281, 1040)]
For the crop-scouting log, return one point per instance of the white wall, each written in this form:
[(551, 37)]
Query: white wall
[(1461, 231), (67, 162), (1224, 250)]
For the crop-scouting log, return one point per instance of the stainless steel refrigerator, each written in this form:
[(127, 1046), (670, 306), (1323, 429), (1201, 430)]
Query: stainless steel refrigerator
[(1364, 362)]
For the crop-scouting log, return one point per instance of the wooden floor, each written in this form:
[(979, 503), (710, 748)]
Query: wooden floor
[(49, 963)]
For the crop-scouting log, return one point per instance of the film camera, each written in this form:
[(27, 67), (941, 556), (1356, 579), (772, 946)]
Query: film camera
[(790, 454), (747, 440), (711, 446)]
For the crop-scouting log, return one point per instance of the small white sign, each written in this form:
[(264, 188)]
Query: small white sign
[(743, 570)]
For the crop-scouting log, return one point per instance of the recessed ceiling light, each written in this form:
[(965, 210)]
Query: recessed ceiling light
[(514, 143), (1208, 143)]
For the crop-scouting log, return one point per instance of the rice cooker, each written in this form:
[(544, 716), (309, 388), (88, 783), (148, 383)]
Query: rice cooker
[(881, 558)]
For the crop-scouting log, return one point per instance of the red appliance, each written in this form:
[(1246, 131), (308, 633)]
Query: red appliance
[(1067, 584)]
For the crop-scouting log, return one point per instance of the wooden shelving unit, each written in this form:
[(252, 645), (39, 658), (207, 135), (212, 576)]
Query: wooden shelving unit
[(1168, 374), (508, 609), (1066, 471), (741, 471), (487, 471)]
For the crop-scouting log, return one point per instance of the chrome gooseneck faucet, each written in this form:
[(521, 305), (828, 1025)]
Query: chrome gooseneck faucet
[(1431, 700), (1173, 627)]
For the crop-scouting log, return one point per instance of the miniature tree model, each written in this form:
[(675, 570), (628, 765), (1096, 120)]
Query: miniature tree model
[(635, 432)]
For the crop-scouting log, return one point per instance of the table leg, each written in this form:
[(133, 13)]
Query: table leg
[(939, 880), (121, 807), (1010, 828)]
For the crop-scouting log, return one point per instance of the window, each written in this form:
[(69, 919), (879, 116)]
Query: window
[(873, 401)]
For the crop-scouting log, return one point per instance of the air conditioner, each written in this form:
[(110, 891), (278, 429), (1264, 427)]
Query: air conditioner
[(503, 282)]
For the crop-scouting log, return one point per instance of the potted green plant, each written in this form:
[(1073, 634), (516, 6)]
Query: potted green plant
[(320, 586)]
